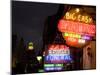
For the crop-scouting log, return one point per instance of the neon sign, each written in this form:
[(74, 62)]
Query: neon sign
[(58, 54), (58, 58), (58, 47), (76, 27), (75, 40), (78, 17), (51, 67), (72, 35), (72, 39), (86, 37)]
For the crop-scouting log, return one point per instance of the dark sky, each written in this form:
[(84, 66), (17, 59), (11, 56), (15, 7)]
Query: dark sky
[(28, 20)]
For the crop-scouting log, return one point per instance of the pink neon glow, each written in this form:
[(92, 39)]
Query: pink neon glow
[(76, 27), (86, 37)]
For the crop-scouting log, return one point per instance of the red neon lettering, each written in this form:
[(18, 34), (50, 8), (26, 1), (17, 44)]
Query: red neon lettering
[(62, 47), (57, 47), (76, 27), (51, 47)]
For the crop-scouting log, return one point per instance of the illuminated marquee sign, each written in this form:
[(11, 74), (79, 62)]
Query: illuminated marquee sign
[(76, 34), (76, 27), (58, 54)]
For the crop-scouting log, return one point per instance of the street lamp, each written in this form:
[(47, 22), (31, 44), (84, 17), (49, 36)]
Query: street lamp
[(30, 46), (39, 58)]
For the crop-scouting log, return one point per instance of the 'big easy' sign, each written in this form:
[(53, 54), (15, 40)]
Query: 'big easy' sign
[(58, 54), (77, 28)]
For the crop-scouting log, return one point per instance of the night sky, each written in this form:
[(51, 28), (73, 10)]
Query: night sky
[(28, 20)]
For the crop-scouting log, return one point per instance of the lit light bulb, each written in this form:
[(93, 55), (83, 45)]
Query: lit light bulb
[(30, 46), (77, 10)]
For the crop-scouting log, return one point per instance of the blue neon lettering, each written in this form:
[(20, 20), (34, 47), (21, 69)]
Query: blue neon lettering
[(63, 57)]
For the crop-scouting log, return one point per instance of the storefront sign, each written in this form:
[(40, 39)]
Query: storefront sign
[(76, 27), (58, 58), (58, 54), (58, 49)]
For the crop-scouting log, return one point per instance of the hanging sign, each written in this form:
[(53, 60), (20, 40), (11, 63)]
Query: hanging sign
[(77, 28)]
